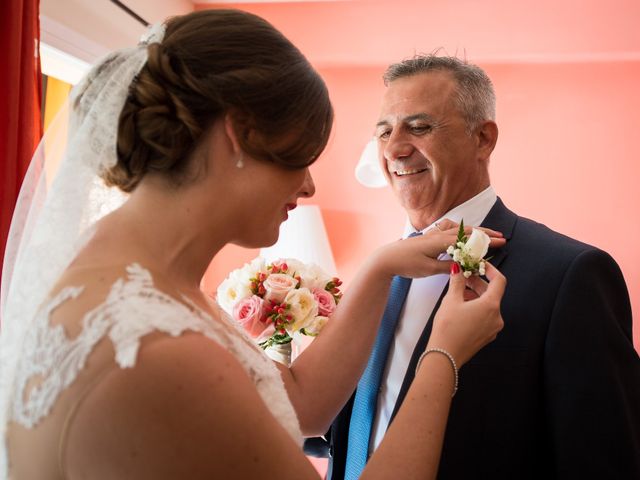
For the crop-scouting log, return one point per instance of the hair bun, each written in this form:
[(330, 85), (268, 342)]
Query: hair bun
[(208, 63), (156, 129)]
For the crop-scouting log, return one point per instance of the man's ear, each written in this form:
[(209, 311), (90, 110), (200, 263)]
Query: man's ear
[(487, 136), (231, 133)]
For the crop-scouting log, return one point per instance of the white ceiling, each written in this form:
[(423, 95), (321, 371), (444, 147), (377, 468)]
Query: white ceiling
[(87, 29)]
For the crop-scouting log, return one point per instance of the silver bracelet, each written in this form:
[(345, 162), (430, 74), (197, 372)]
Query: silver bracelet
[(450, 357)]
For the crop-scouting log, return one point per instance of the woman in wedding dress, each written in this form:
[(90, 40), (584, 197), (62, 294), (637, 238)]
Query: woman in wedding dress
[(114, 363)]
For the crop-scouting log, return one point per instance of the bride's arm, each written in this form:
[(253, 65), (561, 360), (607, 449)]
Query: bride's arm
[(323, 377)]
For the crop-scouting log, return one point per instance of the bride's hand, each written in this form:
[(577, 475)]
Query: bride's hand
[(418, 256), (464, 327)]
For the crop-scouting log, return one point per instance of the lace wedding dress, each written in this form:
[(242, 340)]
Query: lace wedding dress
[(133, 308)]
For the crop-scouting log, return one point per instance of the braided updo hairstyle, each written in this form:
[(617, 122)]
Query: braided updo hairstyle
[(213, 62)]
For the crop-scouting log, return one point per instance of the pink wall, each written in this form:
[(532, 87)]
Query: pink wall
[(567, 152)]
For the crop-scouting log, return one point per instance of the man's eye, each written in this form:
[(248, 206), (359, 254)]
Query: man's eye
[(421, 128), (384, 134)]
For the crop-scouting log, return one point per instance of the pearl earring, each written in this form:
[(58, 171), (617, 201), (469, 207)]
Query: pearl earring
[(240, 162)]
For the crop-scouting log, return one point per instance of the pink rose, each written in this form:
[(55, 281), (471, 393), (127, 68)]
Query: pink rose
[(248, 313), (277, 285), (326, 302)]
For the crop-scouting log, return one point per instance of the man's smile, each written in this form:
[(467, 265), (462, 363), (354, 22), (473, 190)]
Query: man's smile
[(409, 171)]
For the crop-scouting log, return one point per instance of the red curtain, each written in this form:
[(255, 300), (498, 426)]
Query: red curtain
[(20, 100)]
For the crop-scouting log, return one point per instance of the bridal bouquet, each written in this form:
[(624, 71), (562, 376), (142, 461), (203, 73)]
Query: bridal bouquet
[(275, 301), (469, 252)]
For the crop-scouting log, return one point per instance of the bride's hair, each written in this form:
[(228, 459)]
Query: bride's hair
[(210, 63)]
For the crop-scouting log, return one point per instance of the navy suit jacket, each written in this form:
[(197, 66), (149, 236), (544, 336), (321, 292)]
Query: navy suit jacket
[(557, 394)]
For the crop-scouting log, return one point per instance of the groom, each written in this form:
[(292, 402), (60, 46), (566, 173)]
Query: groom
[(557, 395)]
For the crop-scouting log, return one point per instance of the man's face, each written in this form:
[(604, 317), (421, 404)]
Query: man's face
[(429, 159)]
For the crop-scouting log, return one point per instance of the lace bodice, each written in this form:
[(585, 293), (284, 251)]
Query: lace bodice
[(132, 309)]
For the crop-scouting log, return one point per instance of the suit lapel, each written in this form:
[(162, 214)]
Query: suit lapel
[(499, 218), (503, 220)]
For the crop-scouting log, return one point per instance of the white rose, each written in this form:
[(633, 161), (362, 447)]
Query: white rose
[(295, 267), (314, 276), (303, 309), (231, 291), (316, 325), (250, 270), (477, 245)]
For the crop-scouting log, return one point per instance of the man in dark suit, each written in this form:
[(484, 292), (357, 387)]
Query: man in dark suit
[(557, 395)]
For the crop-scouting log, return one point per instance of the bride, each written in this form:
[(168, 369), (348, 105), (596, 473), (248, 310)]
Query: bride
[(114, 363)]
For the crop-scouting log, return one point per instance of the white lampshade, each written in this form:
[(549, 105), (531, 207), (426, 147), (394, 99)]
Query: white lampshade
[(368, 171), (303, 237)]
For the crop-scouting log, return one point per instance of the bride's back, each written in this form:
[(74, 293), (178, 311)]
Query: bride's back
[(61, 350), (96, 321), (124, 377)]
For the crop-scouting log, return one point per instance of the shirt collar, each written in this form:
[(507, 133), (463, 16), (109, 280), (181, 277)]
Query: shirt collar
[(473, 211)]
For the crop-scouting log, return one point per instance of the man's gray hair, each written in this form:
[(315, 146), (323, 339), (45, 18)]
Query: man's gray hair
[(475, 97)]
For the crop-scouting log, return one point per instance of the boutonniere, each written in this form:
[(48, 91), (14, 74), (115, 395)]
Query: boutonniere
[(469, 252)]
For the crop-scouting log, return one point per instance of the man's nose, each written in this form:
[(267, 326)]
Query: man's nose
[(397, 147)]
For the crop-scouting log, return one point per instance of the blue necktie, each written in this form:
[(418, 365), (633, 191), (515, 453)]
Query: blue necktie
[(364, 405)]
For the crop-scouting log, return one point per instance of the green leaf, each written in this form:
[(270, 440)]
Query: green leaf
[(461, 237)]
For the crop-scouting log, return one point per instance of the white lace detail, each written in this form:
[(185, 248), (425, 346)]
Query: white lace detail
[(54, 215), (132, 309)]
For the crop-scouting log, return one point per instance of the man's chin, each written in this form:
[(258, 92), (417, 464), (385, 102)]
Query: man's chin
[(413, 195), (416, 199)]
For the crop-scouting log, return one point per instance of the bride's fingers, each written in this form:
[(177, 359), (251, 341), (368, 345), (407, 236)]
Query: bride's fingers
[(497, 281), (496, 242), (476, 284), (491, 233), (446, 224), (450, 237), (470, 295), (469, 230), (435, 242), (442, 266)]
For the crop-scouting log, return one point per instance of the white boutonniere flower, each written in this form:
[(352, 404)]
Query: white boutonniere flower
[(469, 252)]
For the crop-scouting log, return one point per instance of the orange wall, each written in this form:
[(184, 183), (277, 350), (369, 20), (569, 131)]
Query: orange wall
[(568, 111)]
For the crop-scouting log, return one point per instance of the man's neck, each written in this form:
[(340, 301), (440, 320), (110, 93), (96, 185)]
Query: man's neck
[(422, 218)]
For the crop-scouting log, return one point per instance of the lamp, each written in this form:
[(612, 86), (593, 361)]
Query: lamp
[(303, 237), (368, 171)]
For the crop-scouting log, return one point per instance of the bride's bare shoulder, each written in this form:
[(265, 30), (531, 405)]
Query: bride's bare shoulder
[(90, 278), (187, 409)]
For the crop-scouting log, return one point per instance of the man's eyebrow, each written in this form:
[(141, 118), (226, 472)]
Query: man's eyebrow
[(409, 119), (419, 116)]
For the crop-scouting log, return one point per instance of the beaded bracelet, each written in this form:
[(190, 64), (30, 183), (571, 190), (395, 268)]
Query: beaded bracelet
[(450, 357)]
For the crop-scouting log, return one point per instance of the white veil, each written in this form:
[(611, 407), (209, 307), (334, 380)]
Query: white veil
[(61, 198)]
